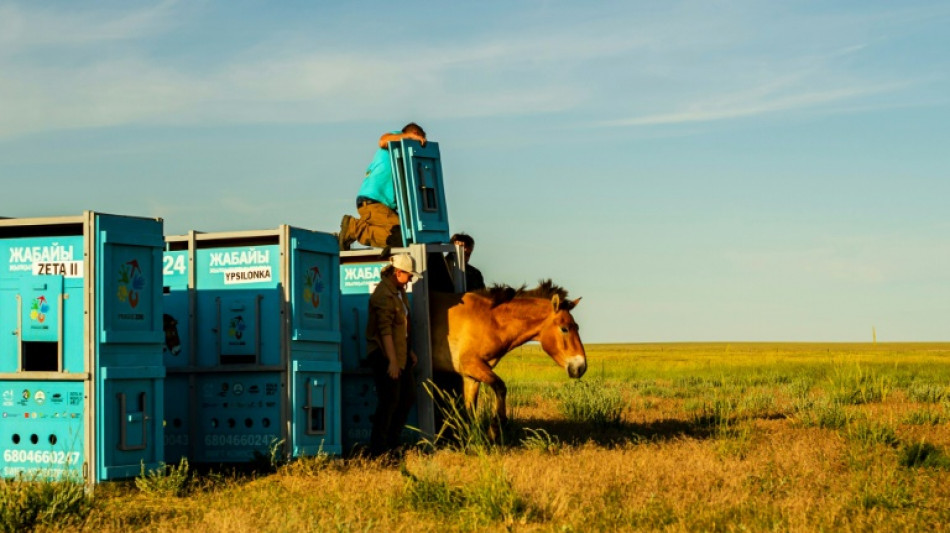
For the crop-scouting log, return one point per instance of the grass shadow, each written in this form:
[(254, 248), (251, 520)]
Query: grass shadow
[(579, 432)]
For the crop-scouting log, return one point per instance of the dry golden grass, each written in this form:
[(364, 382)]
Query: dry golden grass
[(714, 437)]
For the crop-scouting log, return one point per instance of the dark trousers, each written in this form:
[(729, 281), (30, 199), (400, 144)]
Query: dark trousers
[(395, 399)]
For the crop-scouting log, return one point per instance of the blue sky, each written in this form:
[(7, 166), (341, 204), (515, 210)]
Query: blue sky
[(715, 170)]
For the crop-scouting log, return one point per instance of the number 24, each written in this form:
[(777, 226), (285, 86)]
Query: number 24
[(173, 265)]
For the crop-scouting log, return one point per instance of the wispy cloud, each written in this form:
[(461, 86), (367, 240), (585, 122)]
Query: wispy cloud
[(739, 105), (22, 27), (301, 86), (103, 94), (625, 65)]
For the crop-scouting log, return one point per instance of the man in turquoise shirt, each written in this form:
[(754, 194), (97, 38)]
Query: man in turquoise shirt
[(378, 223)]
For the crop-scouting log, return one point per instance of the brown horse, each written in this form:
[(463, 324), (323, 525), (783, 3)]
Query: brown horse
[(471, 332)]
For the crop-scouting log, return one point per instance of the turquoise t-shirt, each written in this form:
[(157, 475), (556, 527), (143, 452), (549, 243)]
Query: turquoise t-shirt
[(378, 183)]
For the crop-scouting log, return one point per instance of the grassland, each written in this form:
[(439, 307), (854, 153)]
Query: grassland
[(672, 437)]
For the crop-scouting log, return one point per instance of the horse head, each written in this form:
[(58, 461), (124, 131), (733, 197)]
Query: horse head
[(559, 337)]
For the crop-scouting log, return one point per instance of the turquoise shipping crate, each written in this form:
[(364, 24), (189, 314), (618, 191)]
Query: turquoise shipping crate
[(81, 373), (252, 345)]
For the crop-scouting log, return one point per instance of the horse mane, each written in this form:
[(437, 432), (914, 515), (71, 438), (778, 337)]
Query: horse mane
[(547, 289)]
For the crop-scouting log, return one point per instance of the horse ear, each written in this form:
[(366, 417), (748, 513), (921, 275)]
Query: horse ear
[(556, 302), (575, 302)]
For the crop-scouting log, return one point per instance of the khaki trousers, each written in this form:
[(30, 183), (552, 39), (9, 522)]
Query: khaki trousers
[(377, 226)]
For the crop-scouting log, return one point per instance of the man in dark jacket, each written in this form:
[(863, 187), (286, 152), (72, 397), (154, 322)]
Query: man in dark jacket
[(390, 355), (473, 276)]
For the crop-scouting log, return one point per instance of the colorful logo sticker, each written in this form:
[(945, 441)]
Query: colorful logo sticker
[(38, 309), (313, 286), (131, 283), (236, 327)]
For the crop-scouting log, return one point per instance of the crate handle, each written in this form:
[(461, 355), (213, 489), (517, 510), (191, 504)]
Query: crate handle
[(125, 418)]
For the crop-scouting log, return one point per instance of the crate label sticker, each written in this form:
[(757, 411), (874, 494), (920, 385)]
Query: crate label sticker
[(175, 268), (219, 440), (234, 276), (236, 328), (175, 440), (25, 258), (238, 258), (132, 284), (67, 269), (312, 289), (43, 457), (173, 264), (39, 309), (360, 278)]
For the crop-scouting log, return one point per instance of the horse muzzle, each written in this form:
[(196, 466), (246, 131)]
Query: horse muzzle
[(576, 366)]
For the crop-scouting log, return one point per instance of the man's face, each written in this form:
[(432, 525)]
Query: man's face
[(402, 277), (467, 249)]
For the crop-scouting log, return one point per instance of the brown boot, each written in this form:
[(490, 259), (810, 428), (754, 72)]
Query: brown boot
[(395, 237), (344, 239)]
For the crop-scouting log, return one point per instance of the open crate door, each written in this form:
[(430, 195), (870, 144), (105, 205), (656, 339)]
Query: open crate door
[(420, 197), (130, 335)]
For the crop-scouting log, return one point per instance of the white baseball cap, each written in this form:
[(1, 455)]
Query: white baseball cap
[(405, 263)]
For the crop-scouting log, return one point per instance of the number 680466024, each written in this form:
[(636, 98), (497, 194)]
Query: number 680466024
[(44, 457)]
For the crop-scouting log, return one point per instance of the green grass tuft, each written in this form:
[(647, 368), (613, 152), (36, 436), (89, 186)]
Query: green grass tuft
[(28, 504), (871, 433), (166, 480), (541, 440), (490, 498), (856, 385), (461, 430), (923, 455), (598, 403)]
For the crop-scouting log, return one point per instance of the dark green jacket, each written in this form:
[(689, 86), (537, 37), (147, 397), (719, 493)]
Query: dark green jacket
[(387, 316)]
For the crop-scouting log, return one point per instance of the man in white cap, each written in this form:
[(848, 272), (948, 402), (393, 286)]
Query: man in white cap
[(389, 354)]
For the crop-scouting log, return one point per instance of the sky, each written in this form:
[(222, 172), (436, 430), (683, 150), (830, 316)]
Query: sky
[(694, 170)]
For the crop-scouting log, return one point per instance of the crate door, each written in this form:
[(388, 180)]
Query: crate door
[(314, 298), (128, 358), (316, 409), (420, 197)]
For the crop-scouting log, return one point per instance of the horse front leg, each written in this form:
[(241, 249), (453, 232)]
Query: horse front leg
[(501, 411), (501, 394), (482, 373), (470, 391)]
